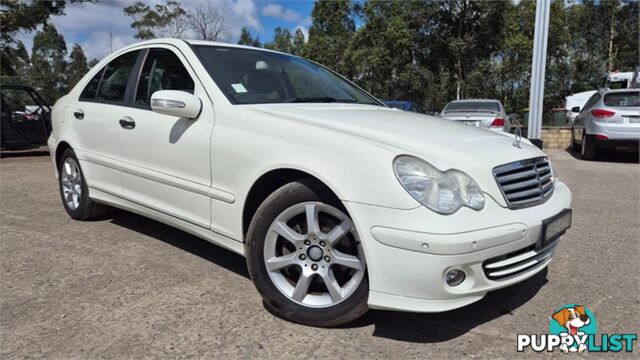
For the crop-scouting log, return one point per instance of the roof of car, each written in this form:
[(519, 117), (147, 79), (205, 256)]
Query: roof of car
[(177, 42), (476, 100), (605, 90)]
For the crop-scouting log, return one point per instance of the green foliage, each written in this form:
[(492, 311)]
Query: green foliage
[(246, 38), (16, 16), (330, 34), (48, 63), (161, 20), (298, 42), (78, 66), (282, 41)]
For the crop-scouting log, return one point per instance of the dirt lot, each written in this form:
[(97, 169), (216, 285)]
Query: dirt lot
[(127, 286)]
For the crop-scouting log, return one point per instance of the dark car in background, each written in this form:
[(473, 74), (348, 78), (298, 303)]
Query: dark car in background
[(26, 118)]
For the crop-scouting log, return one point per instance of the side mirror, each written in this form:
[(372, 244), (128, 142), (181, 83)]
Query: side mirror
[(575, 109), (176, 103)]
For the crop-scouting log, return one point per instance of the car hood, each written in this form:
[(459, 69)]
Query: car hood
[(443, 143)]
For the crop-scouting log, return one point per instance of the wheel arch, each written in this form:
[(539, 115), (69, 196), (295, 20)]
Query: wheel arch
[(60, 149), (269, 182)]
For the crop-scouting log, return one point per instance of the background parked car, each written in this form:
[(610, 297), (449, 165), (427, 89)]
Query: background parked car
[(403, 105), (610, 119), (484, 113), (26, 118)]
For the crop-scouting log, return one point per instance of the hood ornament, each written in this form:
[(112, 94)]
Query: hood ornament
[(518, 138)]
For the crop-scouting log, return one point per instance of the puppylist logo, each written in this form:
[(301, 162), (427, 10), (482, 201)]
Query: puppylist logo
[(572, 329)]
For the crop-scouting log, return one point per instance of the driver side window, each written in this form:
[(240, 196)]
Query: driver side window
[(162, 70)]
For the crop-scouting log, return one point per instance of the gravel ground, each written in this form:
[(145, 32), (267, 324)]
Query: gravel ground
[(127, 287)]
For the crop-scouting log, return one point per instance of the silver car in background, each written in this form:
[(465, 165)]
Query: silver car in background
[(610, 119), (483, 113)]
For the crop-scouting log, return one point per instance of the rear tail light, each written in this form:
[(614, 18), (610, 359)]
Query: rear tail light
[(602, 137), (602, 113), (498, 122)]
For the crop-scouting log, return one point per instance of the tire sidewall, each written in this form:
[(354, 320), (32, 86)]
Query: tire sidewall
[(587, 147), (283, 198)]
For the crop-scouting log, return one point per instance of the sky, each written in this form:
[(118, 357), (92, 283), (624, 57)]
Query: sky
[(89, 24)]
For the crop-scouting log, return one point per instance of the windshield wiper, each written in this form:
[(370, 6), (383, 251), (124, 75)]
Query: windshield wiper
[(320, 99)]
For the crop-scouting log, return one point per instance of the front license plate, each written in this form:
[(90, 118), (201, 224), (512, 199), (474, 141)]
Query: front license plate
[(555, 226)]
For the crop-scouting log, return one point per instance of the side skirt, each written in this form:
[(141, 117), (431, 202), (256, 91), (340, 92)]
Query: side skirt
[(206, 234)]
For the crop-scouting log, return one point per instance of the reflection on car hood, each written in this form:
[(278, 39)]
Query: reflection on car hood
[(445, 144)]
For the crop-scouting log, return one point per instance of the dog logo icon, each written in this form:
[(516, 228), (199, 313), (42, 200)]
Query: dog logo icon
[(572, 319)]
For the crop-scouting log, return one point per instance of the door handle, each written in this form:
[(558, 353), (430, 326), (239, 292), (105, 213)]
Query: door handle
[(127, 123), (79, 114)]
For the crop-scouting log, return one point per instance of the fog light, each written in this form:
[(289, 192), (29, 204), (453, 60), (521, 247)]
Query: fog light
[(455, 277)]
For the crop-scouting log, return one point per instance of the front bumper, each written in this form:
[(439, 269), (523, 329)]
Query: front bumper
[(408, 252)]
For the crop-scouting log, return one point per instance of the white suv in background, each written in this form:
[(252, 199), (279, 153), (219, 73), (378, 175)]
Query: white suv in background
[(609, 119), (339, 203)]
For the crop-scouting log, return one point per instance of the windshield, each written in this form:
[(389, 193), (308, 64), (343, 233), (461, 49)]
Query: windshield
[(621, 84), (472, 106), (622, 99), (257, 77)]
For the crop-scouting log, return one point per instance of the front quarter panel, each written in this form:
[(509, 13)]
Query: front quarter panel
[(247, 144)]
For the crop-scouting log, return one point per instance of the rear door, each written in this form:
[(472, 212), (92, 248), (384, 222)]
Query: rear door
[(167, 164), (96, 115)]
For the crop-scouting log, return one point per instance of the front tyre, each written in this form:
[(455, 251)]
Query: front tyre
[(305, 258), (74, 191)]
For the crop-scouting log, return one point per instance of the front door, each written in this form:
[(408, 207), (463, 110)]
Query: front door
[(166, 159)]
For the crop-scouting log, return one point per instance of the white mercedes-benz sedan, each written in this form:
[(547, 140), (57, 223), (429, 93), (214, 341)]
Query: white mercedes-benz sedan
[(338, 203)]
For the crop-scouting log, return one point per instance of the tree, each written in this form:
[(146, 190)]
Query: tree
[(20, 66), (331, 31), (206, 21), (466, 31), (246, 38), (77, 66), (626, 38), (19, 16), (282, 41), (93, 62), (48, 58), (165, 19), (298, 42)]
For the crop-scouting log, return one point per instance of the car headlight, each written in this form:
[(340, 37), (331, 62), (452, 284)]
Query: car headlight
[(441, 191)]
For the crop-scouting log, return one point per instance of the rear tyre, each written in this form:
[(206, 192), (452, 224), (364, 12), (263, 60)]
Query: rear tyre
[(305, 258), (588, 148), (574, 145), (74, 191)]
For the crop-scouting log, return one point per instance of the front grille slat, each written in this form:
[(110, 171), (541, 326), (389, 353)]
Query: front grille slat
[(517, 176), (520, 185), (525, 194), (518, 262), (525, 183)]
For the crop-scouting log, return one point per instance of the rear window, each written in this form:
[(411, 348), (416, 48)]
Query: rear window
[(473, 106), (622, 99)]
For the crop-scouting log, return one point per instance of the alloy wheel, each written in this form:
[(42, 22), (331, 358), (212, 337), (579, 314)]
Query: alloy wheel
[(71, 181), (313, 255)]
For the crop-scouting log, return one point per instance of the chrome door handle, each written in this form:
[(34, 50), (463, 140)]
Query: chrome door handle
[(79, 114), (127, 123)]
